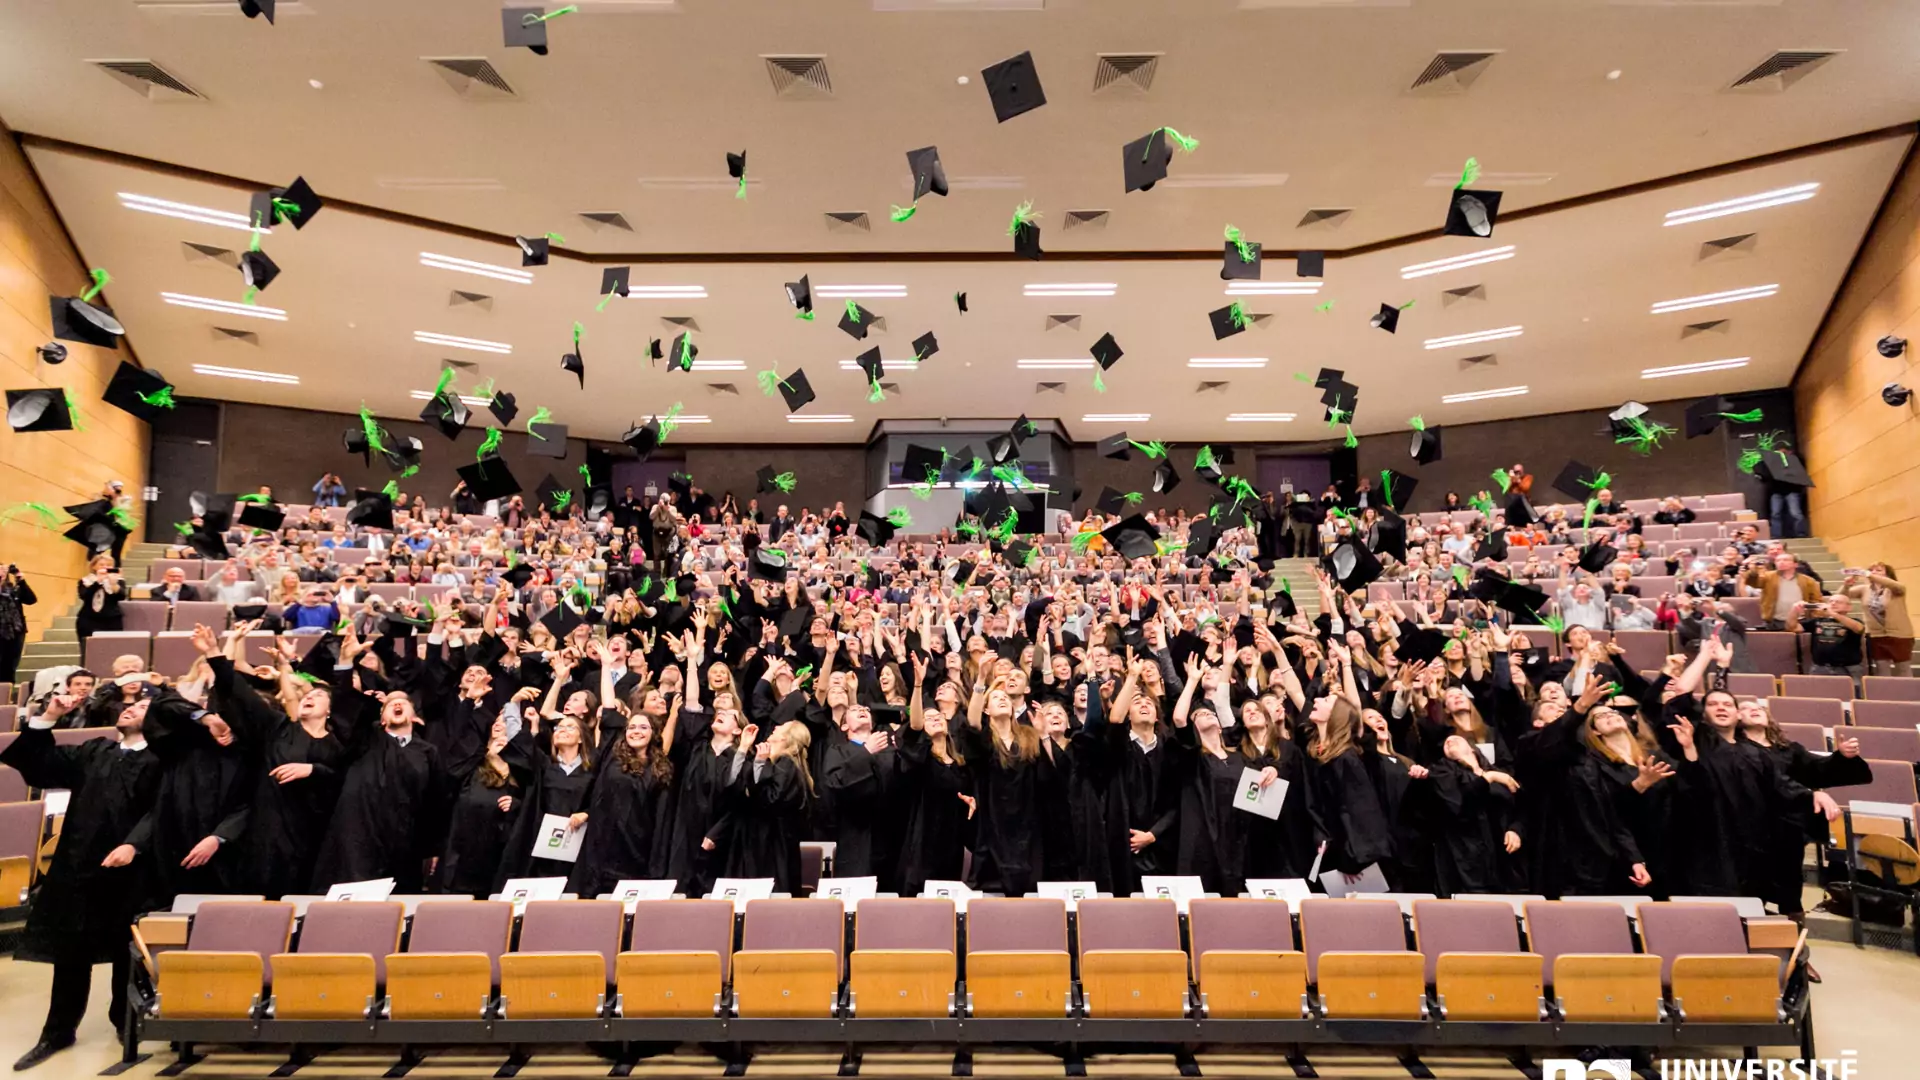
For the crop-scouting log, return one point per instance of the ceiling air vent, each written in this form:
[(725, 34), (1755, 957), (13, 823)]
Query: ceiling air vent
[(1125, 71), (148, 79), (203, 252), (606, 219), (846, 221), (1063, 322), (1483, 360), (1465, 292), (472, 77), (461, 298), (1087, 219), (1729, 247), (226, 335), (1711, 326), (1325, 218), (1050, 388), (719, 389), (1452, 72), (799, 76), (682, 322), (1781, 70), (1212, 388)]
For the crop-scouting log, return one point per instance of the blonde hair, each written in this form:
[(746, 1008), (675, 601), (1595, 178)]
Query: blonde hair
[(799, 740)]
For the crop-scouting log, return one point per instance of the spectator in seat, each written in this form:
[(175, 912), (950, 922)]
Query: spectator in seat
[(1889, 625), (1700, 577), (1783, 590), (1673, 512), (1838, 637), (100, 594), (1609, 511), (1700, 617), (1620, 581), (1630, 614), (228, 588), (1748, 543), (329, 491), (1582, 605), (173, 587), (15, 597), (315, 613)]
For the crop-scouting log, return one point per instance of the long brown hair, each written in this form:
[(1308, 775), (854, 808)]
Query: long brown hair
[(1339, 733), (643, 762), (1644, 745)]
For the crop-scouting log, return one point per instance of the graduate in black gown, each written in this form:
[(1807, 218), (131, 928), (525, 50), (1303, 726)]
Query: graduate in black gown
[(563, 775), (188, 840), (1142, 789), (1215, 834), (1406, 804), (1354, 830), (1470, 804), (626, 822), (1842, 768), (480, 823), (855, 776), (936, 795), (1626, 765), (390, 819), (85, 903), (773, 797), (1010, 773), (1282, 848), (702, 758)]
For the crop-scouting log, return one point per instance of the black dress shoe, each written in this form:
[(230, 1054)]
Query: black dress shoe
[(41, 1051)]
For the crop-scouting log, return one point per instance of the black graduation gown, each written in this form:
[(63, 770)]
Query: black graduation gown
[(204, 791), (1213, 838), (391, 814), (1792, 835), (934, 839), (275, 856), (1010, 851), (699, 808), (81, 910), (555, 791), (478, 835), (1351, 821), (1469, 824), (1732, 803), (1407, 807), (772, 803), (625, 829), (1075, 831), (853, 787), (1648, 817)]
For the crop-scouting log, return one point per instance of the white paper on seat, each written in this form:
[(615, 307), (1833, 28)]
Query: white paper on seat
[(848, 890), (1881, 809), (741, 890), (1291, 889), (1179, 889), (1369, 880), (634, 890), (955, 891), (1254, 799), (556, 841), (1071, 891), (523, 890), (375, 889), (53, 801)]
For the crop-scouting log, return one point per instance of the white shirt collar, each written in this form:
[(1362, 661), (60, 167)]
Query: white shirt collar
[(1142, 743), (133, 744), (402, 739)]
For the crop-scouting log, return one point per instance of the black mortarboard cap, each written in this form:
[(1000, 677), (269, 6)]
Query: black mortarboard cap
[(553, 444), (737, 164), (1472, 213), (767, 564), (1328, 377), (925, 345), (75, 319), (1387, 318), (256, 8), (1518, 511), (1017, 553), (874, 529), (929, 176), (1570, 481), (1620, 420), (794, 622), (1144, 160), (561, 621), (489, 478), (1784, 467), (534, 250), (573, 362), (520, 32), (1023, 429), (856, 321), (38, 410), (963, 463), (1390, 533), (257, 270), (300, 204), (1026, 241), (1001, 449), (1352, 566), (1310, 264), (1235, 268), (614, 279), (1597, 556), (1223, 324), (599, 465), (1133, 537), (1106, 352), (1117, 447), (796, 390), (214, 511), (599, 501), (1397, 488), (871, 364), (1524, 601), (682, 353), (128, 383), (96, 533), (207, 544), (1492, 546), (447, 413), (1704, 416), (654, 349), (1165, 479), (800, 293), (763, 481), (1014, 87), (517, 575), (1202, 535), (960, 300), (504, 407), (1424, 447), (371, 510), (1421, 645), (544, 492), (963, 571), (922, 461), (644, 439), (266, 516), (1340, 394)]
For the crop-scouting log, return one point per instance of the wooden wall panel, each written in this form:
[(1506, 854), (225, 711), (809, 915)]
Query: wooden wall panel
[(1864, 457), (37, 261)]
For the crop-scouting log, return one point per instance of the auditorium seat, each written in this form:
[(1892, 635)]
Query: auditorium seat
[(1644, 648), (1594, 973), (1705, 963), (390, 591), (1838, 687), (1890, 688), (1892, 783), (174, 653), (188, 614), (1746, 608), (157, 569), (1357, 960), (1752, 685), (790, 956), (144, 616), (1017, 961), (1805, 710), (1774, 652), (1244, 960), (1731, 500), (563, 964), (1653, 587), (1889, 744), (1886, 714), (9, 721), (903, 960), (221, 973), (1811, 736), (452, 962), (1698, 531), (13, 786), (678, 961), (106, 646), (20, 824), (76, 736), (1474, 961), (340, 962), (1131, 964)]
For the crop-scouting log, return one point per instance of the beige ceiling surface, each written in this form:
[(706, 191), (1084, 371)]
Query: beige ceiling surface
[(1298, 104)]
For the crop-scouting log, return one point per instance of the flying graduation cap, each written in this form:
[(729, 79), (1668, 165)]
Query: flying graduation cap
[(856, 321), (1424, 448), (960, 301), (1396, 488), (873, 367), (1144, 161), (614, 281), (78, 318), (737, 168), (253, 9), (1229, 320), (534, 250), (1025, 233), (797, 391), (141, 391), (1013, 86), (257, 270), (489, 478), (1388, 317), (1704, 416), (503, 406), (1133, 537), (644, 439), (929, 178), (294, 204), (1470, 212), (574, 361), (1310, 264), (526, 27), (1240, 258), (445, 410), (1106, 353), (800, 295), (48, 409)]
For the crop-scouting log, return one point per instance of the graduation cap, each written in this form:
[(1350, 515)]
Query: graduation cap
[(39, 410), (1023, 429), (525, 28), (1597, 556), (654, 350), (214, 511), (598, 468), (1117, 447), (929, 176), (1014, 87), (1240, 258), (207, 544), (614, 281), (768, 481), (1397, 488), (1229, 320), (1342, 395), (1421, 645), (1784, 467), (1704, 416), (517, 575), (1518, 511), (922, 463), (1492, 546), (874, 529), (77, 318), (543, 494), (1106, 352), (1578, 482), (644, 439), (871, 364), (1472, 213), (1352, 565), (572, 362), (768, 564), (561, 621), (1018, 552), (294, 204), (925, 346), (964, 463), (683, 353), (534, 250), (963, 571), (1144, 161), (446, 412), (371, 510), (856, 321), (1202, 535), (1133, 537), (1165, 479), (140, 391), (800, 294), (255, 8), (257, 269), (490, 478), (1310, 264), (264, 516), (97, 530), (960, 300), (504, 407), (599, 501), (796, 390), (737, 168), (1524, 601), (1424, 448), (1026, 240), (1620, 421), (1387, 318), (550, 443), (1001, 449), (1390, 535)]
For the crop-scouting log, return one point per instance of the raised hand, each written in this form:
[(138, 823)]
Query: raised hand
[(1651, 771), (1682, 729)]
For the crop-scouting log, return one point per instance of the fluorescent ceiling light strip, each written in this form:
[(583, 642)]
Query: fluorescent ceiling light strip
[(425, 337), (1731, 296), (1260, 417), (1474, 338), (684, 418), (225, 307), (1071, 288), (1227, 362), (246, 373), (1274, 288), (891, 366), (427, 395), (666, 292), (1690, 369), (823, 418), (1483, 395), (719, 365), (1055, 365), (1458, 262), (1116, 418), (1776, 197), (855, 292), (468, 266), (225, 218)]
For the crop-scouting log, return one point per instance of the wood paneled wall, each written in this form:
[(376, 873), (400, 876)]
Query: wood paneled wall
[(1863, 455), (38, 261)]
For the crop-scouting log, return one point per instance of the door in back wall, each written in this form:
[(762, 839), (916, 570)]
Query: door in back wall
[(1308, 472), (185, 459)]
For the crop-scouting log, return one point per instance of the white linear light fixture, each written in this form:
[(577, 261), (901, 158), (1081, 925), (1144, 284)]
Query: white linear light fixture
[(1776, 197), (858, 292), (692, 418), (246, 373), (1274, 288), (1261, 418), (468, 266), (1457, 262), (1474, 338), (1693, 369), (891, 366), (1483, 395), (426, 337), (225, 307), (1054, 365), (226, 219), (820, 418), (666, 292), (1227, 362), (719, 365), (1116, 418), (427, 395), (1731, 296), (1070, 288)]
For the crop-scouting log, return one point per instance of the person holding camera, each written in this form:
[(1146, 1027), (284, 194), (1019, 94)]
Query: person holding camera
[(1783, 589), (1837, 635), (15, 597), (101, 592), (329, 491)]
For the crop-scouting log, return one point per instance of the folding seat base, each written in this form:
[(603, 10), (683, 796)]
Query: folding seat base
[(1017, 984), (208, 985), (1372, 986), (322, 986), (900, 982), (660, 984), (552, 986), (1727, 989), (1134, 983), (1608, 988), (439, 986), (786, 983), (1490, 987), (1243, 985)]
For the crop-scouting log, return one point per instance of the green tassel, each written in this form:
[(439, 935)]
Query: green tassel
[(800, 677), (307, 677), (123, 519), (967, 528), (284, 208), (540, 416), (1337, 415), (447, 376), (726, 608), (1481, 503), (409, 471), (1302, 377), (513, 558), (1237, 312), (1003, 532), (1749, 461), (1644, 435), (73, 411), (48, 515), (1133, 498), (530, 17), (806, 315), (1153, 450), (557, 238), (669, 421), (1386, 485), (1033, 556), (1164, 548), (1417, 423), (1587, 521), (260, 500), (900, 517), (1553, 623), (902, 213), (181, 527), (1600, 481), (1460, 575), (1011, 475), (586, 473), (562, 500), (1469, 174), (1239, 488), (769, 381), (1099, 384), (1204, 459), (371, 428), (740, 192), (1185, 144), (602, 305), (391, 490), (484, 390), (100, 280), (853, 311), (1328, 306), (160, 399), (874, 392), (1506, 482), (686, 352), (785, 482), (579, 592), (1023, 216), (922, 491), (1081, 541), (1242, 246), (1751, 416), (1352, 439), (1765, 440)]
